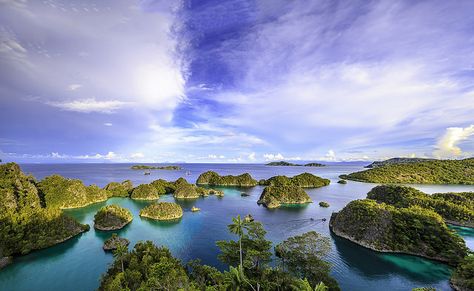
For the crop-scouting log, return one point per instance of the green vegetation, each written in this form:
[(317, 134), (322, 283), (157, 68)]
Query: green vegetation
[(427, 172), (147, 167), (305, 180), (112, 217), (342, 182), (114, 241), (287, 164), (413, 230), (463, 277), (393, 161), (63, 193), (324, 204), (25, 222), (162, 211), (303, 255), (214, 179), (187, 191), (455, 208), (148, 267), (115, 189), (276, 196), (145, 192), (163, 186)]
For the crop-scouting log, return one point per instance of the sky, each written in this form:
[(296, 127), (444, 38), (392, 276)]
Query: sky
[(235, 81)]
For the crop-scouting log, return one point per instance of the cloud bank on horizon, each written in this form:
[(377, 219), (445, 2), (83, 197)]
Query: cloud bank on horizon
[(235, 81)]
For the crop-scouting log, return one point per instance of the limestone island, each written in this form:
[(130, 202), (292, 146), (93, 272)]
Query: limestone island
[(145, 192), (64, 193), (116, 189), (276, 196), (195, 209), (324, 204), (385, 228), (454, 208), (463, 277), (393, 161), (147, 167), (423, 172), (162, 211), (287, 164), (212, 178), (112, 217), (114, 241), (342, 182), (304, 180), (23, 214)]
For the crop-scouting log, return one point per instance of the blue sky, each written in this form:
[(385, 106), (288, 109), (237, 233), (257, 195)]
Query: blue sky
[(235, 81)]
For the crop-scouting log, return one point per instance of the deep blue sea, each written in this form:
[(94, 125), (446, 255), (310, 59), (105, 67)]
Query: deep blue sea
[(78, 263)]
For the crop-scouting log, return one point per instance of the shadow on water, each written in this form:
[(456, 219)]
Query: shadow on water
[(375, 265)]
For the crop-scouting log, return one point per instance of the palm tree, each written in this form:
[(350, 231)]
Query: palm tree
[(120, 252), (237, 227)]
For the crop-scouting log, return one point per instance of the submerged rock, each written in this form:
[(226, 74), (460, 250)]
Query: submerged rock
[(5, 261)]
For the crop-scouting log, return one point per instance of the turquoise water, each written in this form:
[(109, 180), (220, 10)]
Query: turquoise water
[(78, 263)]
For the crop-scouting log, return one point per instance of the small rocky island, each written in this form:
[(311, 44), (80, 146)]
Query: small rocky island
[(114, 241), (385, 228), (148, 167), (287, 164), (454, 208), (162, 211), (116, 189), (276, 196), (304, 180), (419, 172), (324, 204), (112, 217), (212, 178)]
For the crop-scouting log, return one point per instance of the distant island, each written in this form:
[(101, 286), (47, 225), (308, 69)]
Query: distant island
[(287, 164), (425, 172), (212, 178), (162, 211), (393, 161), (147, 167)]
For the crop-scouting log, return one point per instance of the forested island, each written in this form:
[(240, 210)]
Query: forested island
[(454, 208), (298, 266), (276, 196), (414, 230), (304, 180), (147, 167), (212, 178), (27, 221), (287, 164), (393, 161), (112, 217), (162, 211), (425, 172), (116, 189)]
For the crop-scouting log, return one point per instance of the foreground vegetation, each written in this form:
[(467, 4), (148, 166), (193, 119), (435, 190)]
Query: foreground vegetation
[(162, 211), (413, 230), (112, 217), (455, 208), (27, 222), (426, 172), (463, 277), (214, 179), (300, 267), (276, 196)]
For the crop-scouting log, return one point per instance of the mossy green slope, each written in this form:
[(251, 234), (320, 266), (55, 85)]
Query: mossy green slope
[(116, 189), (276, 196), (25, 223), (414, 230), (112, 217), (455, 208), (64, 193), (463, 277), (427, 172), (214, 179), (162, 211), (145, 192)]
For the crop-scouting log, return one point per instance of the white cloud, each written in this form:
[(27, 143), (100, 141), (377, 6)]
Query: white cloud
[(251, 157), (278, 156), (74, 87), (90, 105), (108, 124), (137, 156), (447, 146)]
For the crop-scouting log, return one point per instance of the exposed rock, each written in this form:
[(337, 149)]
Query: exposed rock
[(112, 217), (195, 209), (114, 241)]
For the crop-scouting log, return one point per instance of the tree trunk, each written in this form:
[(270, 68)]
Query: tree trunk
[(240, 246)]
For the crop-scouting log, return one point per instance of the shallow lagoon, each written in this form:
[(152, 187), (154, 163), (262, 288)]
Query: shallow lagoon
[(78, 263)]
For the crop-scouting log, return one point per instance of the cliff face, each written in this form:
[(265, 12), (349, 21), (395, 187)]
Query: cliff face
[(276, 196), (414, 230)]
